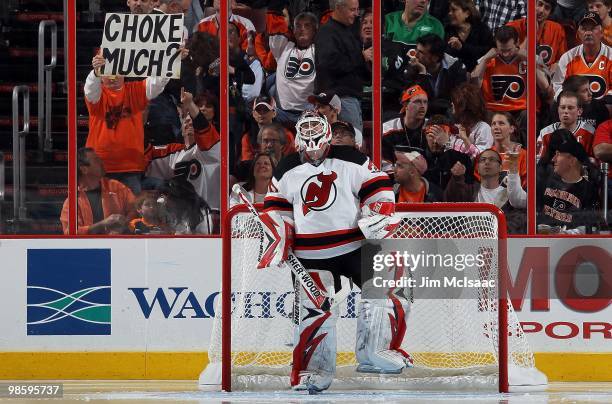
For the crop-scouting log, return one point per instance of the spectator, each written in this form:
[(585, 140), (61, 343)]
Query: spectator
[(343, 134), (602, 8), (340, 62), (259, 179), (437, 72), (467, 37), (592, 58), (330, 106), (441, 159), (568, 200), (594, 112), (208, 103), (551, 42), (408, 25), (150, 220), (140, 6), (505, 131), (570, 109), (489, 190), (295, 77), (469, 111), (569, 11), (410, 185), (104, 206), (115, 121), (497, 13), (502, 74), (272, 139), (183, 210), (210, 24), (264, 113), (197, 160), (367, 28), (406, 130), (602, 148), (204, 61)]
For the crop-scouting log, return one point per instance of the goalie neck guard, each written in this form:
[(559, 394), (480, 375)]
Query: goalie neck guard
[(313, 137)]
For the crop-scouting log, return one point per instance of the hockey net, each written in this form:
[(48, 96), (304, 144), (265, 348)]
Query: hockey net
[(459, 343)]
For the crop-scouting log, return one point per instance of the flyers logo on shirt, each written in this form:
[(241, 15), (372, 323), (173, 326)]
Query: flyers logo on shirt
[(319, 192), (545, 52), (597, 84), (188, 169), (296, 68), (510, 86)]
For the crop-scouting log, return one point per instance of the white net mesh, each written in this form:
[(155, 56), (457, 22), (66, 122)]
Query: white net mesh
[(454, 342)]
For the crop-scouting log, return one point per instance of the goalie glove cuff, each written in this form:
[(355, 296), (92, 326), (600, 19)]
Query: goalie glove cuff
[(278, 239), (386, 208)]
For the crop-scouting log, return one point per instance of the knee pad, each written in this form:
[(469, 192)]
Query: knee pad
[(381, 327), (315, 348)]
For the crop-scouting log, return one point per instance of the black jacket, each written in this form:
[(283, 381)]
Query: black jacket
[(477, 43), (339, 62)]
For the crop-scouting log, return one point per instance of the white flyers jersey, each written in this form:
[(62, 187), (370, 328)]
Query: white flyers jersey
[(325, 201), (295, 73), (200, 164)]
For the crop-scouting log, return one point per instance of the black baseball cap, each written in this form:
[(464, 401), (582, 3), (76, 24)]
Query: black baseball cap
[(575, 149), (591, 16)]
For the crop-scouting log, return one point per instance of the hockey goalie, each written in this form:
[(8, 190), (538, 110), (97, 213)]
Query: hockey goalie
[(336, 198)]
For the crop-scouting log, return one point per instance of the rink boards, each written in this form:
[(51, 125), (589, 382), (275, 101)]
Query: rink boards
[(142, 308)]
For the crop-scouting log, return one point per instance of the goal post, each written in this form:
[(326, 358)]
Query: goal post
[(472, 342)]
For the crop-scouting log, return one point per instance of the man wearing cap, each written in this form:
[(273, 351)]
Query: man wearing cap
[(329, 105), (592, 58), (567, 200), (341, 63), (410, 185), (264, 112), (343, 134), (406, 130)]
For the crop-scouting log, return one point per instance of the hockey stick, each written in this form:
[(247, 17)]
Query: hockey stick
[(302, 276)]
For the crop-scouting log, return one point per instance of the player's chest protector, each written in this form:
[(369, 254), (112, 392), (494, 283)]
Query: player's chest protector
[(325, 197)]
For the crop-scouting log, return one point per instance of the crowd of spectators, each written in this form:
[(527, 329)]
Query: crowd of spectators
[(454, 103)]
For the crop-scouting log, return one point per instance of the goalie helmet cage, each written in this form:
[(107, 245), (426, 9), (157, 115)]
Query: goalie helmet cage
[(455, 344)]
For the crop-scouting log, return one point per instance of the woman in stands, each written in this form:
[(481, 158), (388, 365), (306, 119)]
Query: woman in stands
[(469, 111), (260, 177), (505, 130), (467, 37)]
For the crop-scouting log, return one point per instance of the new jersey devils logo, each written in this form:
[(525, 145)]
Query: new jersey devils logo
[(299, 67), (318, 192), (507, 86), (545, 51), (597, 84)]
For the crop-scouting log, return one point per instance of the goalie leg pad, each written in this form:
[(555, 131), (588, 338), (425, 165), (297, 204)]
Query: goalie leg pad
[(380, 331), (314, 354)]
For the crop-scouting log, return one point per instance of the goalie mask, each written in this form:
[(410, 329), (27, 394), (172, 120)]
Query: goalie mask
[(313, 137)]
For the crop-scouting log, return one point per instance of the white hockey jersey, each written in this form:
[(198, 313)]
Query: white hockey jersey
[(584, 134), (325, 201), (200, 163)]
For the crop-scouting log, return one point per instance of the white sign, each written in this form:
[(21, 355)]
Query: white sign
[(142, 45)]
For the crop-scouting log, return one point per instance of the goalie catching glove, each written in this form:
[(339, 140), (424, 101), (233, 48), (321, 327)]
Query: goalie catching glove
[(377, 220), (278, 239)]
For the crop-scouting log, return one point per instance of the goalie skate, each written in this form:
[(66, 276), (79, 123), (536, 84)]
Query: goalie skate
[(313, 382)]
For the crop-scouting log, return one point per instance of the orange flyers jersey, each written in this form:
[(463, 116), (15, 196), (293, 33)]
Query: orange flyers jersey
[(584, 134), (551, 41), (599, 72), (504, 85)]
